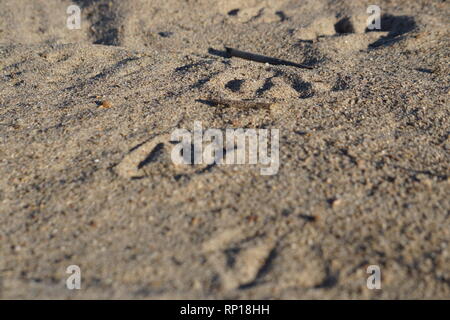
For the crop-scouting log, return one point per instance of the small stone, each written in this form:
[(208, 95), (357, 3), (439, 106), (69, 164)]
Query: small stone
[(105, 104), (335, 202)]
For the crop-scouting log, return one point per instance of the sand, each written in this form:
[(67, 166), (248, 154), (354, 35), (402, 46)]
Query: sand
[(364, 150)]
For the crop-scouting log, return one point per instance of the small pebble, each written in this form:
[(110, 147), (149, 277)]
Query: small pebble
[(105, 104)]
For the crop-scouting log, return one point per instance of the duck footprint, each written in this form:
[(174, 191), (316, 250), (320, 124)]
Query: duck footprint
[(153, 158)]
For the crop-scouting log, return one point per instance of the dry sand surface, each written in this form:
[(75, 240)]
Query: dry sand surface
[(364, 150)]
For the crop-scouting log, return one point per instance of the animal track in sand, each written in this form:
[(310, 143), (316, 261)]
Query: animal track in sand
[(105, 22), (241, 261), (355, 34), (396, 27), (153, 159), (255, 82), (261, 11)]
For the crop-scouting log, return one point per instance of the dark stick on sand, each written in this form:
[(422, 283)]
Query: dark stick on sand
[(242, 104), (263, 59)]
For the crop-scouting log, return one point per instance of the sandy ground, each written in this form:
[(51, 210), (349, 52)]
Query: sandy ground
[(364, 150)]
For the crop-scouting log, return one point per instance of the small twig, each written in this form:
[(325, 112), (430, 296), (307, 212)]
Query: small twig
[(263, 59), (242, 104)]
